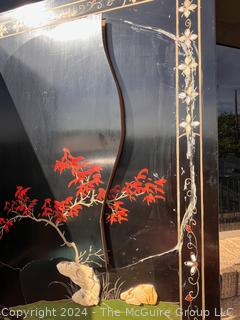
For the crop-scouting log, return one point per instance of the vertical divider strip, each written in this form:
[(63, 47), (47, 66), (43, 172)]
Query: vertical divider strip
[(120, 147)]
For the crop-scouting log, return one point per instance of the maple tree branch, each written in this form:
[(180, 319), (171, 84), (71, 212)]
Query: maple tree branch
[(70, 245), (123, 196), (86, 257), (82, 201), (87, 193)]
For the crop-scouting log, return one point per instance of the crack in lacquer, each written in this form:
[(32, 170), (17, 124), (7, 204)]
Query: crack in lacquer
[(190, 211), (140, 27), (9, 266)]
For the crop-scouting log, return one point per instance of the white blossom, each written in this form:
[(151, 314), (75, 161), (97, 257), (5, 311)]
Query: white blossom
[(193, 264), (188, 37), (187, 8)]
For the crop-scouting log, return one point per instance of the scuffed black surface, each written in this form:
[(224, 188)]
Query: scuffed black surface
[(12, 294), (164, 269), (40, 280)]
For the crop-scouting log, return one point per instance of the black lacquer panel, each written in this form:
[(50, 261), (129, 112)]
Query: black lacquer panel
[(54, 106), (212, 277), (150, 140), (139, 106)]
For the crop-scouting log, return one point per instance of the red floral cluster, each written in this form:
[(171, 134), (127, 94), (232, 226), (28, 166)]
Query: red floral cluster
[(142, 185), (5, 224), (86, 179), (59, 211), (118, 212), (22, 205)]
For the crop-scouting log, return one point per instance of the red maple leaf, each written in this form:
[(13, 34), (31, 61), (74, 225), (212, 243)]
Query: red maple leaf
[(159, 190), (66, 150), (97, 178), (122, 215), (7, 206), (74, 211), (21, 192), (149, 199), (21, 207), (129, 190), (47, 209), (60, 166), (149, 187), (101, 194), (111, 218), (67, 200), (95, 169), (142, 174), (161, 181), (60, 218), (117, 205), (7, 225)]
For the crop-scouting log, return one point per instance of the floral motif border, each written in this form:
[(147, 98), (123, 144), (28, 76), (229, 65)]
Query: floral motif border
[(189, 127), (46, 16), (188, 74)]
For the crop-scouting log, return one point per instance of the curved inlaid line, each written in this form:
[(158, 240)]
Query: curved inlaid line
[(12, 22), (120, 146)]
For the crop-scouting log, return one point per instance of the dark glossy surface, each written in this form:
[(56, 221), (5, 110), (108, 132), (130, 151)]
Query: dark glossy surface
[(211, 235), (61, 93), (57, 93), (144, 62)]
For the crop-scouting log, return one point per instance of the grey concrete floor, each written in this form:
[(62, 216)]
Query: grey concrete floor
[(229, 249), (229, 256)]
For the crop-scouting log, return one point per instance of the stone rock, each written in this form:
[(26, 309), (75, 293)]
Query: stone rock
[(85, 277), (141, 294), (85, 298)]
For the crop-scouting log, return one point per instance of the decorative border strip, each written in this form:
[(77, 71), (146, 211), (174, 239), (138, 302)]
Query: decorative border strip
[(192, 295), (44, 16), (200, 84), (189, 99)]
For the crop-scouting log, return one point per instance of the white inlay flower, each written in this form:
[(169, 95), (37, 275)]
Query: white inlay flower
[(3, 30), (188, 95), (193, 264), (188, 65), (188, 37), (18, 26), (187, 7), (188, 125)]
